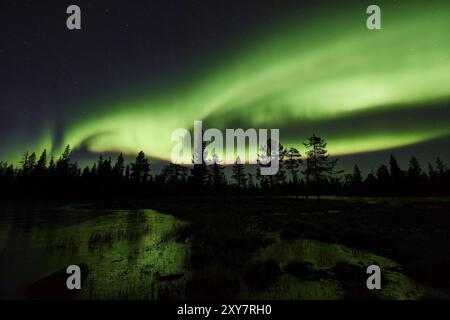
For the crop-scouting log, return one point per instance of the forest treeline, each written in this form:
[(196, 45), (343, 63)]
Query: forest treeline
[(310, 174)]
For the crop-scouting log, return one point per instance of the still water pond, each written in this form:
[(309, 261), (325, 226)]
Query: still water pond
[(136, 254), (129, 253)]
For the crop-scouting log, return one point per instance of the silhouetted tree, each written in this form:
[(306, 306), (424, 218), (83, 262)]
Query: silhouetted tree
[(140, 169), (414, 170), (263, 180), (199, 170), (251, 183), (239, 174), (265, 158), (293, 161), (62, 169), (51, 167), (28, 162), (280, 177), (433, 179), (86, 174), (440, 167), (383, 179), (104, 169), (370, 183), (217, 177), (416, 178), (397, 176), (41, 166), (127, 173), (318, 165), (6, 175), (94, 171), (174, 173), (356, 181), (118, 169)]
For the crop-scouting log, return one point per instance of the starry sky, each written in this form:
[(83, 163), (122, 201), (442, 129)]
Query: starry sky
[(140, 69)]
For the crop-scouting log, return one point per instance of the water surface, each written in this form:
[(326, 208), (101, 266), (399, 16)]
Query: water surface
[(128, 251)]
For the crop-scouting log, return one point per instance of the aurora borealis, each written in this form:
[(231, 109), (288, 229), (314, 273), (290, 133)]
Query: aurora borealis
[(315, 69)]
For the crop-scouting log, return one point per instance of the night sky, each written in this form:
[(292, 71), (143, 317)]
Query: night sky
[(140, 69)]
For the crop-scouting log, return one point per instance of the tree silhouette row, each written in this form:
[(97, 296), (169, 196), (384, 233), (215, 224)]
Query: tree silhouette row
[(299, 175)]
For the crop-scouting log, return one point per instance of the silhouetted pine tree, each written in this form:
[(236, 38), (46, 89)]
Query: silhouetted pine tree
[(280, 177), (93, 173), (127, 173), (86, 175), (199, 171), (40, 169), (217, 177), (263, 180), (265, 158), (397, 176), (238, 175), (140, 169), (318, 165), (293, 161), (370, 184), (28, 162), (356, 181), (250, 183), (51, 170), (443, 177), (62, 169), (416, 178), (6, 173), (104, 169), (174, 174), (433, 179), (383, 179), (414, 170), (119, 167)]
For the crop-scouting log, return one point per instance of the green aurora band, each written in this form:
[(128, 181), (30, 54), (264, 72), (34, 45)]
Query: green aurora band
[(363, 90)]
